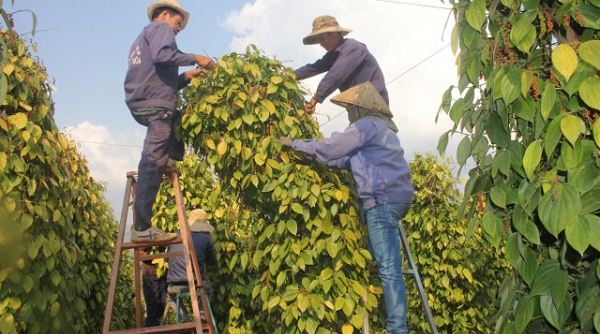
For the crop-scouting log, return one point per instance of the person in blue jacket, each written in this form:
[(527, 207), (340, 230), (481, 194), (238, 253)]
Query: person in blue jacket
[(371, 150), (151, 87), (347, 62), (205, 255)]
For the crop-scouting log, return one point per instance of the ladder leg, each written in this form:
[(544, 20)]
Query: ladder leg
[(417, 277), (117, 257), (191, 261)]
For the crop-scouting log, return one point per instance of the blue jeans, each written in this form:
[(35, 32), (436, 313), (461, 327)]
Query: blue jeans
[(160, 143), (384, 237)]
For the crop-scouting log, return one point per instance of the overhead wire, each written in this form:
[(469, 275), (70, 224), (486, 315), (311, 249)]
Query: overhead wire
[(396, 78)]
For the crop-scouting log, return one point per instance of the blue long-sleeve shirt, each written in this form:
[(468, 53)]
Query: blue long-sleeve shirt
[(153, 77), (205, 254), (348, 65), (372, 152)]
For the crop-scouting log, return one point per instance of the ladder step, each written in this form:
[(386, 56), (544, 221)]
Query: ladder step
[(131, 245), (408, 271), (191, 326)]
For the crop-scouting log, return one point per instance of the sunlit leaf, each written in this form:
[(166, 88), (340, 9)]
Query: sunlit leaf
[(565, 60)]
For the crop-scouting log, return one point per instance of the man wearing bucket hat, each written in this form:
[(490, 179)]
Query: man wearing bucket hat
[(371, 150), (347, 62), (205, 254), (151, 86)]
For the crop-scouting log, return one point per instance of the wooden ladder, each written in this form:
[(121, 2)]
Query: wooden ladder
[(171, 175)]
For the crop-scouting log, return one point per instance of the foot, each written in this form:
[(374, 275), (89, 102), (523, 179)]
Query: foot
[(151, 234)]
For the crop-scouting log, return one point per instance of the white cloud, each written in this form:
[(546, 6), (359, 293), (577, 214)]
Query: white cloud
[(108, 157), (400, 37)]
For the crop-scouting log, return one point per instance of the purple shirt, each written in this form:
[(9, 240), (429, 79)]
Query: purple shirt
[(153, 77), (372, 151), (348, 65)]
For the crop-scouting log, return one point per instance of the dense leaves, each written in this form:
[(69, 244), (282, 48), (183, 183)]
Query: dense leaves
[(57, 231), (296, 262), (529, 107), (461, 275)]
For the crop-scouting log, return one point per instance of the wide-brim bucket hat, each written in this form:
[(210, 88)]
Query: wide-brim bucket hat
[(198, 221), (173, 4), (363, 95), (322, 25)]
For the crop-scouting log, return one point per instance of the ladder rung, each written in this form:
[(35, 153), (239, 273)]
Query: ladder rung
[(130, 245), (162, 329), (161, 255), (408, 271)]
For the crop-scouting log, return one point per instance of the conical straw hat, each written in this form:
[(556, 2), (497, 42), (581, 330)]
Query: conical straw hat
[(363, 95), (198, 221)]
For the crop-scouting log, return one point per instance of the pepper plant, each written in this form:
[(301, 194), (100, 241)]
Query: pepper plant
[(57, 231), (291, 241), (527, 105)]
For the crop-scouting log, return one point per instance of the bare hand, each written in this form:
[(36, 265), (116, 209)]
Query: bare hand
[(286, 141), (310, 107), (205, 62), (195, 73)]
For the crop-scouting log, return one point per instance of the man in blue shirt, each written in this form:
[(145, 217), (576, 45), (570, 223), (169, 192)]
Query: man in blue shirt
[(371, 150), (151, 87), (205, 254), (347, 62)]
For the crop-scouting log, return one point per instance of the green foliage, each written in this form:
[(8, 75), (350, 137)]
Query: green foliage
[(57, 231), (529, 107), (291, 252), (460, 275)]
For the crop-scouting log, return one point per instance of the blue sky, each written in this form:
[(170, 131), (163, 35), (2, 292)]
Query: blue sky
[(84, 46)]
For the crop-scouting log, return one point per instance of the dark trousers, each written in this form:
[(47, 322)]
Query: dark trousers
[(160, 144), (155, 294)]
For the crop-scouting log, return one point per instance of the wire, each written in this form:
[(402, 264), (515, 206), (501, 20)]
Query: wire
[(419, 63), (396, 78), (414, 4), (96, 142)]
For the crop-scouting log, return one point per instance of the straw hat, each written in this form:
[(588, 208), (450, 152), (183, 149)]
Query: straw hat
[(364, 95), (198, 221), (173, 4), (322, 25)]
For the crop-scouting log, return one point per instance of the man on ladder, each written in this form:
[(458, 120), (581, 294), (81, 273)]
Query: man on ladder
[(151, 87), (370, 148)]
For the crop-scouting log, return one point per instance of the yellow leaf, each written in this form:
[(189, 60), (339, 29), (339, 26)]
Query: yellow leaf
[(222, 148), (347, 329), (565, 60), (570, 126), (8, 69), (276, 79), (211, 144)]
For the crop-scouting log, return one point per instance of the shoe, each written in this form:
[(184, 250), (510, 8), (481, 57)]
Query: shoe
[(151, 234)]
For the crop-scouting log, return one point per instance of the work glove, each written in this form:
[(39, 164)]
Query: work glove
[(286, 141)]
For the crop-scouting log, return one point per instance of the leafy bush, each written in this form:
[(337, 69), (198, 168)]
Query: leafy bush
[(529, 106), (57, 229)]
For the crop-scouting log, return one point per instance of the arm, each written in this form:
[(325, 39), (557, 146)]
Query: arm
[(334, 151), (163, 48), (310, 70), (352, 55)]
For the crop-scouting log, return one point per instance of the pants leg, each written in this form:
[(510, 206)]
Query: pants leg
[(155, 291), (176, 146), (155, 156), (382, 221), (172, 291)]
